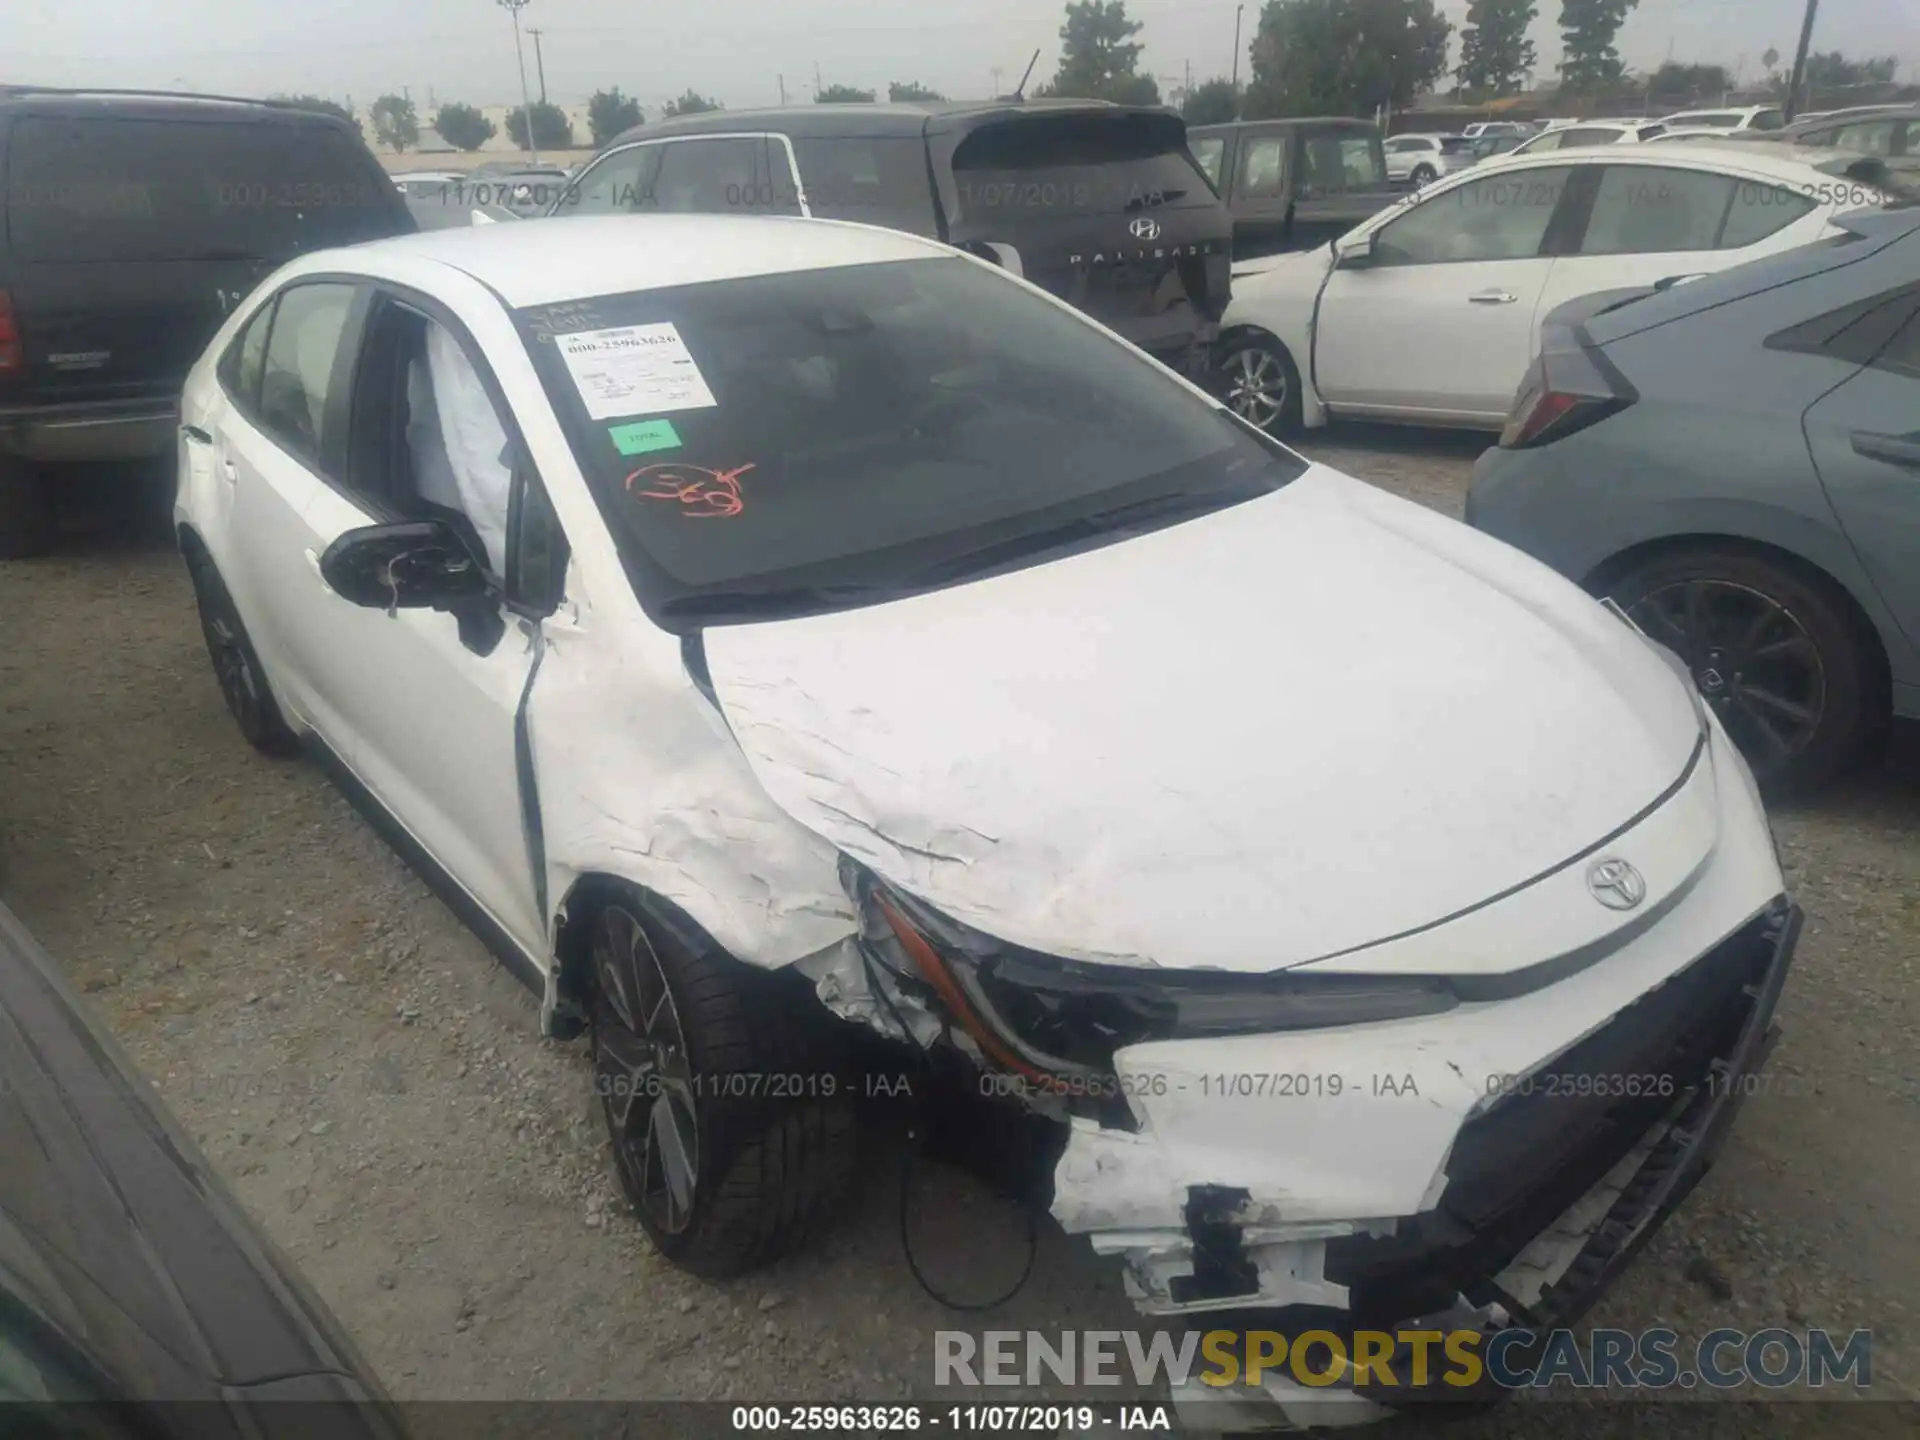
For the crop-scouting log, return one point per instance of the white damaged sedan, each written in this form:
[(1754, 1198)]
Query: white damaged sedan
[(780, 637)]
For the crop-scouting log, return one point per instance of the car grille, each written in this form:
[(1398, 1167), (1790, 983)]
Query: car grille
[(1517, 1166)]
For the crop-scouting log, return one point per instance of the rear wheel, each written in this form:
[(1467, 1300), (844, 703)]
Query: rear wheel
[(1258, 381), (236, 668), (26, 510), (1424, 175), (1774, 652), (732, 1141)]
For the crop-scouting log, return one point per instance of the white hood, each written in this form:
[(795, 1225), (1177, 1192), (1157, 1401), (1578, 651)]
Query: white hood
[(1274, 733)]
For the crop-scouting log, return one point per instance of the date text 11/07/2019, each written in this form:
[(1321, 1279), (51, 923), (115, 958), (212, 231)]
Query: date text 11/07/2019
[(1048, 1420), (1212, 1085)]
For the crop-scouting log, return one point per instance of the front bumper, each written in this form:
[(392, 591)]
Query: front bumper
[(1491, 1167)]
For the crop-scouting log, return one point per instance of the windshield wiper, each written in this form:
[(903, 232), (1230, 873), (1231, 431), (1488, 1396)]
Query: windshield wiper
[(1113, 520), (714, 607)]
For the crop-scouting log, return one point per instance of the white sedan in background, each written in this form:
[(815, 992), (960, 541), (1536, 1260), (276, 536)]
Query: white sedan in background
[(777, 634), (1429, 311)]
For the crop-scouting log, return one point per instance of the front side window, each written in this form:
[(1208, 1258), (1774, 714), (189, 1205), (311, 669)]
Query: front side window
[(1342, 162), (616, 184), (242, 365), (1871, 137), (1495, 217), (1209, 151), (300, 370), (1552, 140), (1263, 166), (806, 441)]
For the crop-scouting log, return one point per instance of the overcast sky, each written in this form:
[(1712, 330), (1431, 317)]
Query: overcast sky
[(738, 49)]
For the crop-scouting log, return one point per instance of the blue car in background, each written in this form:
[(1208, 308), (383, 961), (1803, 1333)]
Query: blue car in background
[(1735, 460)]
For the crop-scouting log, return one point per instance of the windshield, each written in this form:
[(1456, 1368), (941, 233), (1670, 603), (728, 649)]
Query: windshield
[(791, 443), (88, 190), (1062, 165)]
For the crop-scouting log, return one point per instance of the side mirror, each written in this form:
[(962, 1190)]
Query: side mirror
[(1353, 252), (414, 565)]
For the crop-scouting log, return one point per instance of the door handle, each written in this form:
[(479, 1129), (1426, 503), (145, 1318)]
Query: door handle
[(1894, 449), (1493, 297), (195, 433)]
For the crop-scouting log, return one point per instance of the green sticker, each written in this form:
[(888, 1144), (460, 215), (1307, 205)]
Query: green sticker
[(643, 436)]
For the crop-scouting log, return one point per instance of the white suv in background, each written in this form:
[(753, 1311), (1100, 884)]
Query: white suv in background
[(1593, 132), (1423, 159), (1734, 117)]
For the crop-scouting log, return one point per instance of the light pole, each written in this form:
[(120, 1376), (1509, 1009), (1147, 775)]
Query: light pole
[(514, 7), (1235, 82), (1800, 64)]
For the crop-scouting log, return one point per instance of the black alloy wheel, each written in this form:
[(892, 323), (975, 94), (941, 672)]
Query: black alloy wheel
[(644, 1074), (1773, 652), (236, 667)]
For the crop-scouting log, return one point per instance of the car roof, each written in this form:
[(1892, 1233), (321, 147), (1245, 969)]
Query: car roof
[(548, 262), (877, 117), (155, 104), (1283, 122), (1759, 160)]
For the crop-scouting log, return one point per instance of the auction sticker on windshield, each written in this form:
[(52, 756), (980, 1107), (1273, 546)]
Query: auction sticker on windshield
[(634, 370)]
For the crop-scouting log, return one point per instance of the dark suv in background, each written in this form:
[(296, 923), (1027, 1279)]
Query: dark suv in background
[(1101, 205), (130, 223)]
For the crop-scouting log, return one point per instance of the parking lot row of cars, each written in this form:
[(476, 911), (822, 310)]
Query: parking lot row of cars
[(781, 639)]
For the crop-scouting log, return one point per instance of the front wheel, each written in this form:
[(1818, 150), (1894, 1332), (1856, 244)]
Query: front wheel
[(1259, 382), (1774, 653), (732, 1140)]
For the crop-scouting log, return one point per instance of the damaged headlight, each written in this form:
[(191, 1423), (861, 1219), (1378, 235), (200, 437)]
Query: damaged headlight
[(1040, 1015)]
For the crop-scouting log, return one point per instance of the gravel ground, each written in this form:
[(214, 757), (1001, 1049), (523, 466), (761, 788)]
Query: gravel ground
[(373, 1085)]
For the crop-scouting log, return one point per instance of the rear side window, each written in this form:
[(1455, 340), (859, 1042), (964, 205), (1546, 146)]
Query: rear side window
[(241, 367), (1589, 135), (1643, 209), (1055, 165), (301, 368), (878, 180), (89, 189), (1902, 356)]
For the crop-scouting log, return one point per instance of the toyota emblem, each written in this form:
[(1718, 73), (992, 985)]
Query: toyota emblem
[(1144, 229), (1616, 884)]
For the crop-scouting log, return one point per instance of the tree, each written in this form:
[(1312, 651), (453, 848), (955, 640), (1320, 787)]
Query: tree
[(1343, 57), (462, 126), (843, 95), (900, 91), (1099, 58), (395, 124), (1833, 71), (1587, 31), (551, 128), (609, 113), (1495, 53), (320, 103), (1687, 83), (1770, 58), (690, 104), (1211, 102)]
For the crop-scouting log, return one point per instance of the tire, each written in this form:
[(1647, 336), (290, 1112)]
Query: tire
[(1424, 175), (236, 667), (27, 525), (1257, 379), (733, 1141), (1775, 652)]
